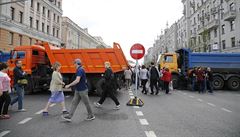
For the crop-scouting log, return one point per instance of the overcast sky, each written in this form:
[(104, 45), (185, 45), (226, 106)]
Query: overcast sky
[(124, 21)]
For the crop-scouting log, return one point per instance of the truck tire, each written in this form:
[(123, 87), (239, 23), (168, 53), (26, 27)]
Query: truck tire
[(99, 87), (218, 82), (234, 83), (175, 81), (28, 89)]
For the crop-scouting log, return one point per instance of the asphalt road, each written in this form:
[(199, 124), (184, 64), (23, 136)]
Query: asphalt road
[(180, 114)]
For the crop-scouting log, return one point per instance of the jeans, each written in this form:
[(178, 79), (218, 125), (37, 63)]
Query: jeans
[(166, 86), (209, 86), (200, 86), (128, 83), (153, 83), (4, 102), (78, 95), (20, 96), (193, 83), (144, 82)]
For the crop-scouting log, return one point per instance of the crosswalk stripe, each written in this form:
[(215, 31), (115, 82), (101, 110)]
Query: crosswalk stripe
[(143, 122), (25, 120), (139, 113), (4, 133), (150, 134)]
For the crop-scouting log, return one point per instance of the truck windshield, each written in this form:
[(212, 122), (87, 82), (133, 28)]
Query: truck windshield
[(168, 58), (18, 54)]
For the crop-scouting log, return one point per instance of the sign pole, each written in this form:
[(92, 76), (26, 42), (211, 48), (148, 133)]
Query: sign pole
[(137, 51), (136, 78)]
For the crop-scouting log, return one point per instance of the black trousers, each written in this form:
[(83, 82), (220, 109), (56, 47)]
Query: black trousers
[(166, 86), (153, 83), (5, 100), (144, 82), (108, 92)]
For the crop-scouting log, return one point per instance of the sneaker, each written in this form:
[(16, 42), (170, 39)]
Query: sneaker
[(5, 116), (90, 118), (65, 112), (66, 118), (45, 113), (96, 104), (117, 107), (22, 110)]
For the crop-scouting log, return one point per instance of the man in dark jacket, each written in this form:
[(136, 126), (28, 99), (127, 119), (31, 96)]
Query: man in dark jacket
[(154, 77), (108, 87), (18, 74), (209, 78)]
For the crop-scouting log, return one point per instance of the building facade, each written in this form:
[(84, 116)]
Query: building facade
[(75, 37), (29, 22), (214, 25)]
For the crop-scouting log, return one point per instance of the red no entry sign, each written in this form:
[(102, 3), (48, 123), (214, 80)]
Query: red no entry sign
[(137, 51)]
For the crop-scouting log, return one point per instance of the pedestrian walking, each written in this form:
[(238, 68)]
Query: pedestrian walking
[(107, 88), (18, 76), (81, 92), (209, 78), (5, 89), (154, 76), (200, 80), (128, 76), (56, 88), (167, 77), (193, 77), (144, 78)]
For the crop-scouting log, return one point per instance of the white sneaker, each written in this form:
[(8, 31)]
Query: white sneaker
[(117, 107), (22, 110), (96, 104)]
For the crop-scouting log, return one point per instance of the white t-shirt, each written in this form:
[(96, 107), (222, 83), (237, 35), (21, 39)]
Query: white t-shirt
[(143, 74)]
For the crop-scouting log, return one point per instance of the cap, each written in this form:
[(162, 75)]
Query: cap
[(77, 61)]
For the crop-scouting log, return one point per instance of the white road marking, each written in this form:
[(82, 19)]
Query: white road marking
[(4, 133), (150, 134), (131, 94), (191, 96), (211, 104), (136, 107), (132, 97), (224, 109), (139, 113), (200, 100), (184, 93), (25, 120), (67, 96), (52, 105), (39, 112), (143, 122)]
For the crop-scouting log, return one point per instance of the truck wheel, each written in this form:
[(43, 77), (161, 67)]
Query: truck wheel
[(28, 89), (175, 81), (234, 83), (218, 83), (99, 87)]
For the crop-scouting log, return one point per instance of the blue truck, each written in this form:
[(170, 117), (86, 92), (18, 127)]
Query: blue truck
[(225, 67)]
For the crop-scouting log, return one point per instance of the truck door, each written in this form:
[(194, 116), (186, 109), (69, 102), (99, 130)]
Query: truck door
[(169, 61)]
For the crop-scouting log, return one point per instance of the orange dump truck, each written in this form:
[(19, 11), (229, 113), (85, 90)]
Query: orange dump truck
[(37, 61)]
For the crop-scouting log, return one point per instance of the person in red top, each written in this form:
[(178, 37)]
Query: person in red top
[(200, 80), (167, 77)]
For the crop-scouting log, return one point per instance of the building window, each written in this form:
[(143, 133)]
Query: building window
[(32, 3), (54, 17), (43, 10), (42, 27), (38, 7), (232, 7), (223, 29), (223, 44), (37, 24), (48, 14), (233, 41), (59, 4), (30, 41), (10, 40), (20, 39), (21, 17), (215, 33), (57, 32), (47, 29), (12, 13), (57, 19), (31, 22), (232, 25), (53, 32)]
